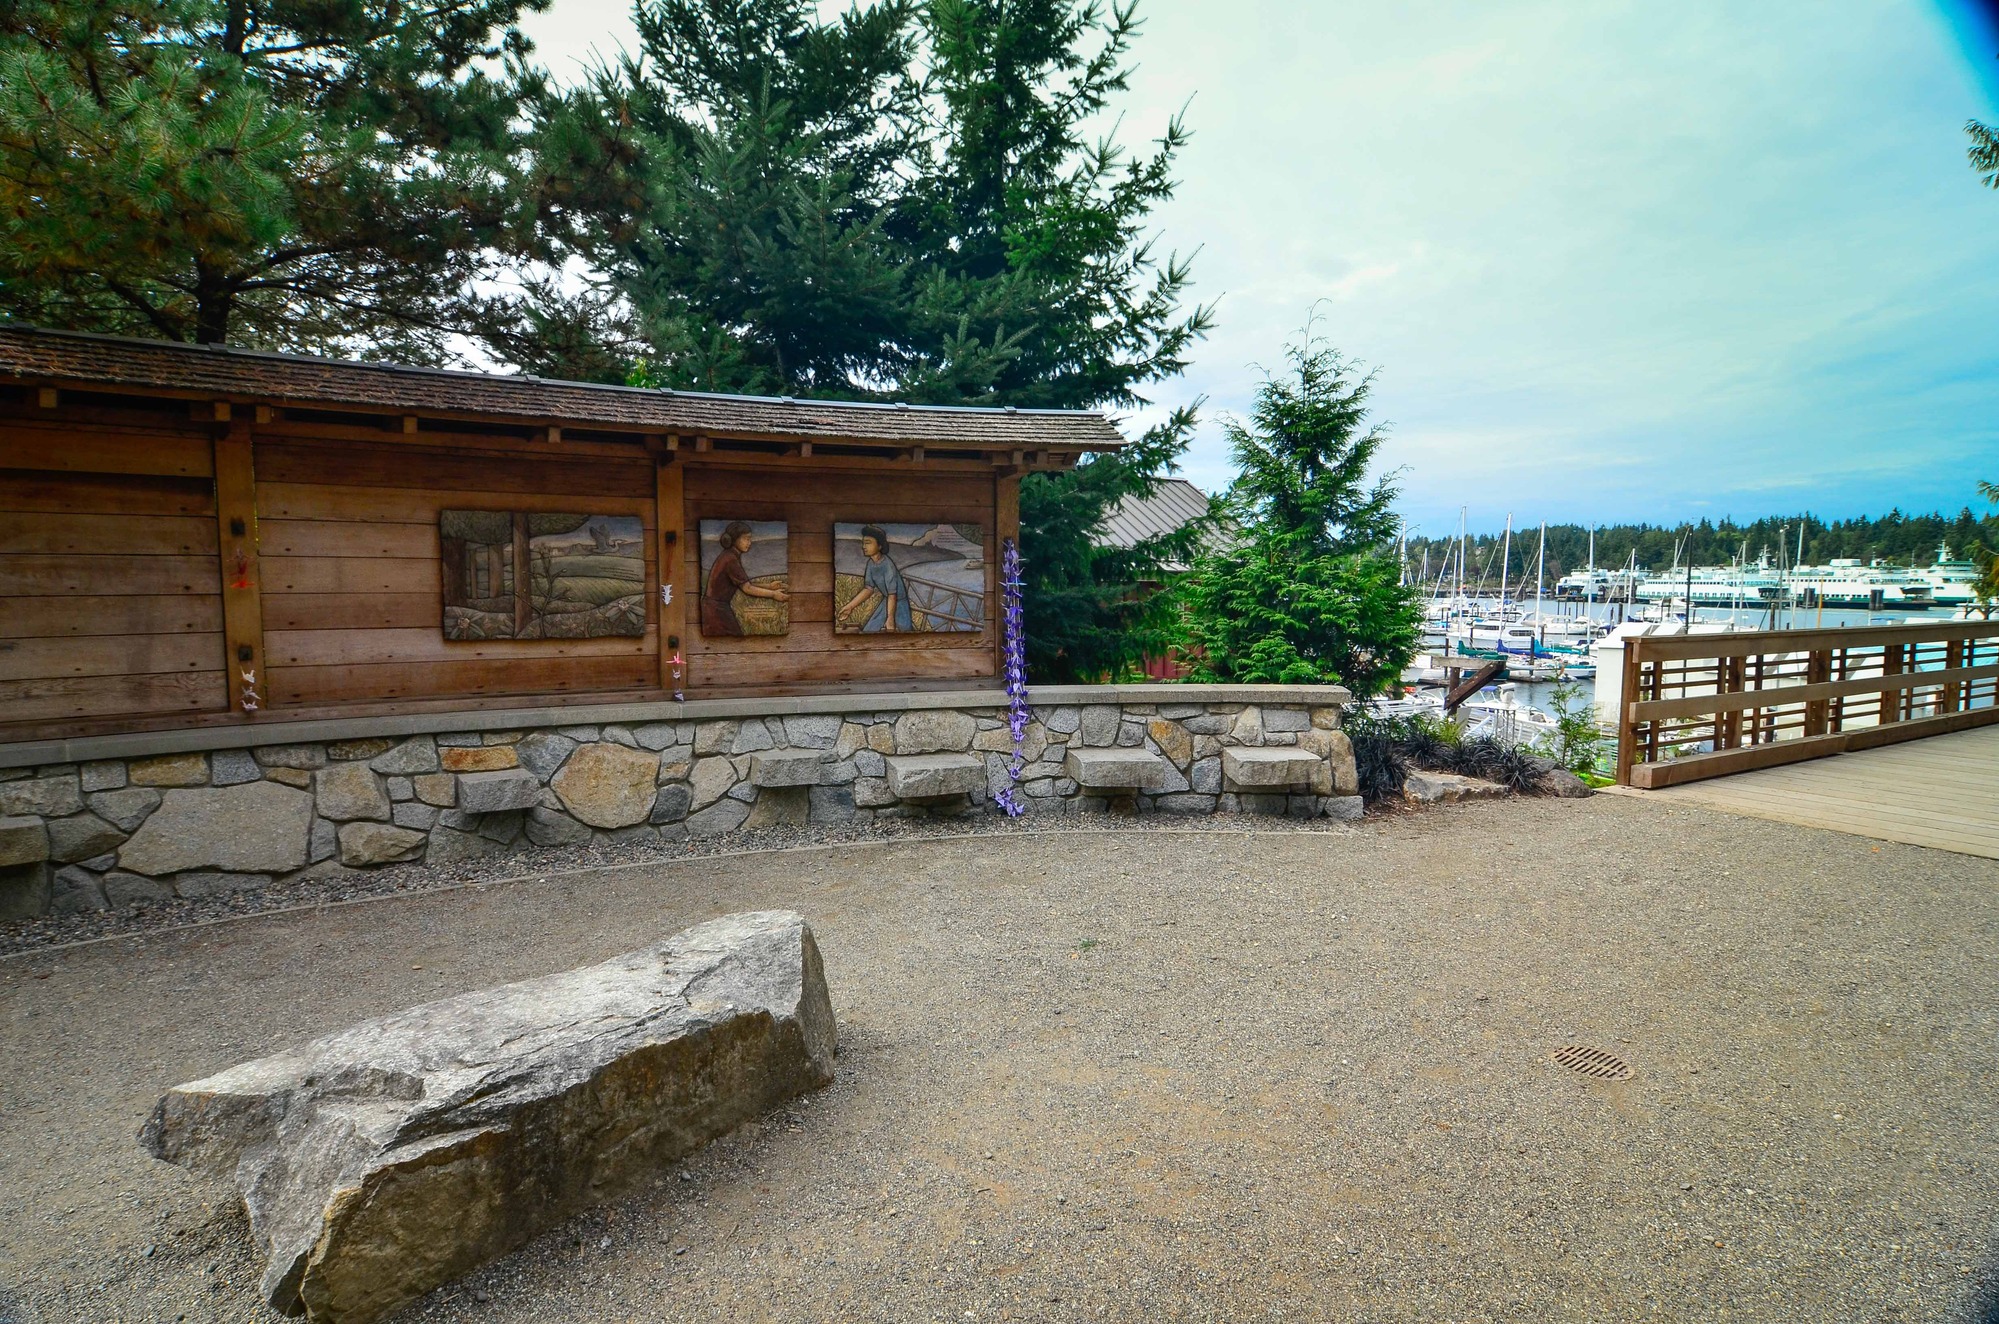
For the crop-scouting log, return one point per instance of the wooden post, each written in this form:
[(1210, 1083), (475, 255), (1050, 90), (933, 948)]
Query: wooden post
[(242, 582), (1728, 725), (1818, 670), (1627, 738), (523, 577), (670, 516), (1953, 658), (1891, 700), (1759, 733)]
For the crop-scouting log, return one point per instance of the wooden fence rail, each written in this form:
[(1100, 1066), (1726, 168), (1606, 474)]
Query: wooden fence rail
[(1706, 705)]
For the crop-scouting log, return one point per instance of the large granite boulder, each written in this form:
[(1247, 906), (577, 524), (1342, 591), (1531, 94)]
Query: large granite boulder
[(398, 1154), (934, 731), (935, 776), (1429, 788), (608, 785), (259, 827)]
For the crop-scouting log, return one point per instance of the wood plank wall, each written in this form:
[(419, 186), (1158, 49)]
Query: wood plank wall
[(810, 502), (113, 571), (352, 586), (110, 584)]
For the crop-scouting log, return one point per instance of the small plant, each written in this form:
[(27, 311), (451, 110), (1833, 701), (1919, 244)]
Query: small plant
[(1431, 741), (1511, 766), (1577, 743), (1378, 754), (1086, 944)]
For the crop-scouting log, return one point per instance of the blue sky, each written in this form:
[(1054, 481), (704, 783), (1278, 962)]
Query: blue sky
[(1611, 261)]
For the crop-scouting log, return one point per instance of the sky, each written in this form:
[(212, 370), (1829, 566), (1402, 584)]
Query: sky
[(1607, 261)]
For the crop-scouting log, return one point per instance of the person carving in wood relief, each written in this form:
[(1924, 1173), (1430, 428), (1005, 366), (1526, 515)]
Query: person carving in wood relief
[(882, 581), (726, 578)]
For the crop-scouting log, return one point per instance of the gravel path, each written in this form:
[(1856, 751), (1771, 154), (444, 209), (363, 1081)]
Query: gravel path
[(332, 884), (1154, 1075)]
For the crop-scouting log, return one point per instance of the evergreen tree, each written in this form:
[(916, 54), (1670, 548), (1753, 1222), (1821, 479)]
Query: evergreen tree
[(289, 174), (1986, 587), (898, 203), (1984, 151), (1303, 587), (726, 188)]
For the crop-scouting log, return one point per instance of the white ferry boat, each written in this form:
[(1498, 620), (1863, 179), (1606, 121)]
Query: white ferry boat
[(1717, 586), (1845, 582), (1950, 580), (1598, 585)]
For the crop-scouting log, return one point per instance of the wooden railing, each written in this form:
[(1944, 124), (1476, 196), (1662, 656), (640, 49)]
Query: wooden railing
[(1706, 705)]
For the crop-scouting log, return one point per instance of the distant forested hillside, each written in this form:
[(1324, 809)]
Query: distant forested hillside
[(1895, 537)]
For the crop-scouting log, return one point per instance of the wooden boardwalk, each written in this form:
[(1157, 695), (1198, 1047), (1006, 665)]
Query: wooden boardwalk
[(1941, 792)]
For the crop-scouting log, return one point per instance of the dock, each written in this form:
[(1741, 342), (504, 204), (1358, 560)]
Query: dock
[(1941, 792)]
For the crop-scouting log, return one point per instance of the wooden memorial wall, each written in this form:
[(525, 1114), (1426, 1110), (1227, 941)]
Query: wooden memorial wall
[(166, 563)]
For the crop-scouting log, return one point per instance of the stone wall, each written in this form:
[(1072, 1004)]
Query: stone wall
[(128, 819)]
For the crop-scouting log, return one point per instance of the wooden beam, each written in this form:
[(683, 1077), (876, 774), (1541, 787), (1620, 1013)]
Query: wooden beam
[(1892, 682), (1721, 763), (46, 397), (701, 444), (242, 580), (523, 577), (409, 425), (209, 411), (265, 414), (1473, 683), (670, 489), (804, 450), (553, 435)]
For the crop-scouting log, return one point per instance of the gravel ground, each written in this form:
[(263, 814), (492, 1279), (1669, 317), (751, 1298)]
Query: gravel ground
[(1152, 1075), (334, 884)]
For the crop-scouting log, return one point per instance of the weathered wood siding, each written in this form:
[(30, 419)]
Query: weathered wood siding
[(352, 603), (810, 502), (110, 581), (115, 563)]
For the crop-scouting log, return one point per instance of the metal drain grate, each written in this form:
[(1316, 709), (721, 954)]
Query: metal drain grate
[(1592, 1062)]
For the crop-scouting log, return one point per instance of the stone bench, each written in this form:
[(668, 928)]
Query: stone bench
[(1270, 768), (1116, 770), (398, 1154), (788, 767), (932, 777)]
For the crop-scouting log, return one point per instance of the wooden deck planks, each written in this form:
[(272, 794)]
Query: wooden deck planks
[(1941, 792)]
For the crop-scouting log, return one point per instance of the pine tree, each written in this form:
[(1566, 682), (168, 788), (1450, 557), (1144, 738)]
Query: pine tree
[(901, 203), (1984, 151), (294, 175), (726, 188), (1302, 588)]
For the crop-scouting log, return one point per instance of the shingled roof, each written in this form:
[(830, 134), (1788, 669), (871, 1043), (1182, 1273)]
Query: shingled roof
[(38, 357)]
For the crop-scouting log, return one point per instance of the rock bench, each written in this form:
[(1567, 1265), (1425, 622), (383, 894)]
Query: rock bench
[(1117, 771), (383, 1160), (1276, 768), (933, 778)]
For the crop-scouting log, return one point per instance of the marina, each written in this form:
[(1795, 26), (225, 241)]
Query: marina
[(1537, 653)]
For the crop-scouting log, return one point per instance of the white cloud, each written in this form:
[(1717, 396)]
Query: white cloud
[(1612, 260)]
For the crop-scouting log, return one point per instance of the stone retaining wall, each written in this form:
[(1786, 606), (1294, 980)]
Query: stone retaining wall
[(133, 827)]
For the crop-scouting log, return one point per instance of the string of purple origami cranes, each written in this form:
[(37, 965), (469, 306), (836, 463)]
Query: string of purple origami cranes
[(1018, 714)]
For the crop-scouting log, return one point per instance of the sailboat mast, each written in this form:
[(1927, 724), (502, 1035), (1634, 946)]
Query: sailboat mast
[(1505, 556), (1589, 585), (1460, 592), (1540, 565)]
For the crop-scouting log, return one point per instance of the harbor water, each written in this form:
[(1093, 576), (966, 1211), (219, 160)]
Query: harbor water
[(1541, 695)]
